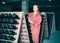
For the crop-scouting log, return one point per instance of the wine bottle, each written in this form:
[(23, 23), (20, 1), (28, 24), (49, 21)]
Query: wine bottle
[(6, 15), (10, 38), (2, 15), (15, 16), (3, 20), (5, 41), (7, 37), (13, 21), (3, 31), (7, 21), (2, 25), (12, 26), (10, 15), (7, 26), (9, 32), (2, 37)]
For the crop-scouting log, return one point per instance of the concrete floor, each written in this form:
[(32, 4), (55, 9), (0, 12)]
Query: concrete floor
[(54, 38)]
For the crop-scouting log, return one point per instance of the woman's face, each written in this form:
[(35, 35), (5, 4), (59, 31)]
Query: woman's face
[(35, 8)]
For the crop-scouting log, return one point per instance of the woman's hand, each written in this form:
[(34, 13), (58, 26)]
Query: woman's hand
[(29, 20)]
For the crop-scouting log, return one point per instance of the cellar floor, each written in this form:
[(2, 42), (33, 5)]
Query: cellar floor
[(54, 38)]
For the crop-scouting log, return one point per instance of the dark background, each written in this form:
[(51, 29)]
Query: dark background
[(44, 5)]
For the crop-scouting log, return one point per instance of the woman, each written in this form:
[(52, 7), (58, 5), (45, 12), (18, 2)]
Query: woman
[(35, 23)]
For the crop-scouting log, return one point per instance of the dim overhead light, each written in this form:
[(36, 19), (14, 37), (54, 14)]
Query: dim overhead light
[(3, 2), (49, 0)]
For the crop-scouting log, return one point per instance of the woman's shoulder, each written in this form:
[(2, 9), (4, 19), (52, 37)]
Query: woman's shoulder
[(30, 13)]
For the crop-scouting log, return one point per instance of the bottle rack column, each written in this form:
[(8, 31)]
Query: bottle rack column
[(51, 22), (24, 37), (46, 34), (10, 23)]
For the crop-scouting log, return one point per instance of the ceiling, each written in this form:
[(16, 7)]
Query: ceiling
[(46, 5), (9, 0)]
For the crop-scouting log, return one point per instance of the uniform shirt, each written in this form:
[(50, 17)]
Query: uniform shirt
[(35, 26)]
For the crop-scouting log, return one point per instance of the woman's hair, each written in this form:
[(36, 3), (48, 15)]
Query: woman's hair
[(36, 5)]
